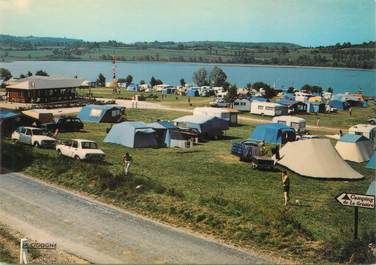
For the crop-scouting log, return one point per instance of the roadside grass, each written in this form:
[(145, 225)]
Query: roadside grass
[(209, 190), (167, 100)]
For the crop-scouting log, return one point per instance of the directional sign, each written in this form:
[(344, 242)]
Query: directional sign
[(356, 200)]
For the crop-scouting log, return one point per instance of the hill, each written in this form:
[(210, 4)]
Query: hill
[(268, 53)]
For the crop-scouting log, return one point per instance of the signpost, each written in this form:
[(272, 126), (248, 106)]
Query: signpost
[(356, 201)]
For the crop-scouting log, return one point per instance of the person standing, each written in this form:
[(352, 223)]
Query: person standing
[(286, 187), (127, 163), (350, 111), (318, 122)]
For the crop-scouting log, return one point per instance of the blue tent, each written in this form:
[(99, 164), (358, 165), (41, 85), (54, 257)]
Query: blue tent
[(192, 92), (100, 113), (133, 134), (206, 126), (294, 105), (9, 121), (165, 130), (339, 104), (352, 138), (7, 114), (315, 107), (372, 188), (273, 133), (133, 87), (260, 99), (372, 162)]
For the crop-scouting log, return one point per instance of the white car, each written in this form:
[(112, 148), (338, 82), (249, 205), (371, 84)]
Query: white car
[(32, 136), (80, 149)]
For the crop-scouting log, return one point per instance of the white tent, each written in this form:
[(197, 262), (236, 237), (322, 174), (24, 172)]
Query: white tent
[(356, 148), (316, 158)]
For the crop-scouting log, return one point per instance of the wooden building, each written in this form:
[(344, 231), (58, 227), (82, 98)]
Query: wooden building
[(43, 89)]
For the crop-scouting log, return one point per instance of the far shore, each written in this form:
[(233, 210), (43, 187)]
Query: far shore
[(202, 63)]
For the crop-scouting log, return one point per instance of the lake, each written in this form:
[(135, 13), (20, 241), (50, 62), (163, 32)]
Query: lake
[(341, 80)]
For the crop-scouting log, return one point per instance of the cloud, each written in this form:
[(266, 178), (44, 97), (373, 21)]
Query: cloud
[(20, 6)]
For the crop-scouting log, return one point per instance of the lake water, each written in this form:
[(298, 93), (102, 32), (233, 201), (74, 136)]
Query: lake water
[(341, 80)]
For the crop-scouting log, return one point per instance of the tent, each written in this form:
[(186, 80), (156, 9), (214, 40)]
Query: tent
[(206, 126), (372, 189), (9, 121), (316, 158), (100, 113), (315, 107), (273, 133), (356, 148), (372, 162), (133, 134), (339, 104), (167, 134), (192, 92)]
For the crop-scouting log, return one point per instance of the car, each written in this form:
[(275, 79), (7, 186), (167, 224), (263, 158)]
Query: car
[(372, 121), (64, 124), (32, 136), (80, 149), (219, 103)]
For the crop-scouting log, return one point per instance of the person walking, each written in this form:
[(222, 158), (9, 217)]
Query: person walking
[(286, 186), (127, 159)]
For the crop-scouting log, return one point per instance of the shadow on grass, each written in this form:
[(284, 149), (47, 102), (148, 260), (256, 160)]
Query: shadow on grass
[(15, 157)]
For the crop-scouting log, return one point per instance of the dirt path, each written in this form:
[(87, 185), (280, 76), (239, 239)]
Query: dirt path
[(101, 233)]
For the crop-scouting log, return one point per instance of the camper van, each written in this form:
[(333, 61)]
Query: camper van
[(268, 108), (230, 115), (298, 124), (367, 130), (242, 105)]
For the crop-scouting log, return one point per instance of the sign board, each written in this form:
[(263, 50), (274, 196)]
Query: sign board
[(356, 200)]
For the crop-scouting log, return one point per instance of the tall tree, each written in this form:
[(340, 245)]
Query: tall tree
[(101, 80), (217, 76), (153, 81), (41, 73), (5, 74), (200, 77), (269, 92), (232, 94)]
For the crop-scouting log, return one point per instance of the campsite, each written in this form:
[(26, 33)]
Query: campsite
[(208, 190)]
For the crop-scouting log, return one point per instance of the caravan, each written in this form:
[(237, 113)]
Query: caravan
[(230, 115), (242, 105), (298, 124), (268, 108)]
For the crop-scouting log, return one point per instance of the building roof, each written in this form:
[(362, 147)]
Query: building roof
[(45, 82)]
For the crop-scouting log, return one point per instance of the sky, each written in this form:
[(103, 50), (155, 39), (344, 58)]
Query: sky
[(304, 22)]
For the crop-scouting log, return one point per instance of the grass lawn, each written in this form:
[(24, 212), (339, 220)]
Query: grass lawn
[(211, 191)]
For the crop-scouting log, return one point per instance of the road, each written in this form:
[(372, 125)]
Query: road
[(102, 233)]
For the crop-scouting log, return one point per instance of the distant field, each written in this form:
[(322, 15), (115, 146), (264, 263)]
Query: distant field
[(211, 191)]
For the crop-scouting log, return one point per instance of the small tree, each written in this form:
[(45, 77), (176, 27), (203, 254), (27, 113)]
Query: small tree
[(128, 79), (101, 80), (232, 94), (200, 77), (142, 82), (290, 90), (41, 73), (182, 82), (5, 74), (29, 73), (158, 82), (22, 76), (217, 76), (330, 90)]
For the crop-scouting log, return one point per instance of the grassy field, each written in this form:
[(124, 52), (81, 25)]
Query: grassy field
[(208, 190)]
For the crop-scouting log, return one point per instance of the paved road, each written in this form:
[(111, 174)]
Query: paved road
[(102, 233)]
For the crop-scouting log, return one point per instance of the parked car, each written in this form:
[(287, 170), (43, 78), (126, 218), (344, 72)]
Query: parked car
[(64, 124), (219, 103), (80, 149), (246, 149), (33, 136)]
